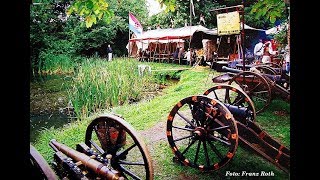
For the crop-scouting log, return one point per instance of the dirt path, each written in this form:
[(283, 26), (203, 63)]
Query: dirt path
[(156, 133)]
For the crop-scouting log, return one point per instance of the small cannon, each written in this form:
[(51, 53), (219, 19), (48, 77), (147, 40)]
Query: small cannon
[(112, 150), (266, 68), (260, 87), (203, 131)]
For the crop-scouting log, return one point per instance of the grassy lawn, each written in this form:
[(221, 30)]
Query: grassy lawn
[(146, 114)]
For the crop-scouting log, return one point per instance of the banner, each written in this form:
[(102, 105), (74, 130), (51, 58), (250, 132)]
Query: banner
[(228, 23), (134, 25)]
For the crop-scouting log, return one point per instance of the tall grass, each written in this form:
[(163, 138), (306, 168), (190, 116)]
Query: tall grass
[(56, 64), (100, 84)]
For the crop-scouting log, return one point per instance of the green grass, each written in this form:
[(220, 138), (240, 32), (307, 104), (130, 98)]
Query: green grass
[(144, 115)]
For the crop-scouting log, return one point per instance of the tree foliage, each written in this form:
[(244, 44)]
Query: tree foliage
[(91, 11), (270, 10), (258, 13)]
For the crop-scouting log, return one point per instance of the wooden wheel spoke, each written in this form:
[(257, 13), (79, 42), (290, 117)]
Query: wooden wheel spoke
[(197, 153), (182, 138), (226, 96), (256, 86), (131, 174), (194, 109), (218, 128), (238, 100), (206, 153), (185, 119), (221, 140), (183, 128), (125, 152), (215, 150), (215, 94), (131, 163), (188, 147)]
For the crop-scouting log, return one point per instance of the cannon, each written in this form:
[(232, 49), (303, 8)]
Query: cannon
[(266, 68), (204, 131), (261, 87), (112, 150)]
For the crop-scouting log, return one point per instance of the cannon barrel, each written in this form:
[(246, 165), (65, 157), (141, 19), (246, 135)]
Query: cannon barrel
[(276, 78), (233, 70), (86, 160), (240, 113)]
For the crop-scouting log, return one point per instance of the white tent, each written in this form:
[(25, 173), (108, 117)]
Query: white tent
[(170, 33), (277, 29), (176, 35)]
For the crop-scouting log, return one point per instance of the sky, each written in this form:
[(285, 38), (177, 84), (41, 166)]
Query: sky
[(154, 7)]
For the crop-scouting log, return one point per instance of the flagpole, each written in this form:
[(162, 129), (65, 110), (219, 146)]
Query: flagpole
[(129, 36), (190, 31)]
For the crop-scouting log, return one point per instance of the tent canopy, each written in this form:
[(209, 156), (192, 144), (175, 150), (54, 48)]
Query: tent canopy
[(177, 35), (170, 33), (181, 33)]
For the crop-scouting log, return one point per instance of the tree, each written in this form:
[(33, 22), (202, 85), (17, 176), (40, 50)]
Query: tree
[(270, 10), (47, 20), (91, 11)]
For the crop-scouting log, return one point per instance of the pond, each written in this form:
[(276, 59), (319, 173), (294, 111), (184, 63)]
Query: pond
[(49, 100), (46, 121)]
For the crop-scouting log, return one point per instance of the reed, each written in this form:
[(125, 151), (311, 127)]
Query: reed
[(56, 64), (100, 85)]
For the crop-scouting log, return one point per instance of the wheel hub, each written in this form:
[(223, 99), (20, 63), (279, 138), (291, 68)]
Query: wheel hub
[(200, 132)]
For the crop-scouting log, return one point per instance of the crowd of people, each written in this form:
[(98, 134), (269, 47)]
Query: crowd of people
[(184, 57)]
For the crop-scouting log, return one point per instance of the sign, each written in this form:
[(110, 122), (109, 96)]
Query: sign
[(228, 23)]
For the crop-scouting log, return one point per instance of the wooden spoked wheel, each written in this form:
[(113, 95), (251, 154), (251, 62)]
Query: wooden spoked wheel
[(276, 67), (265, 69), (202, 133), (112, 135), (234, 97), (39, 167), (255, 86)]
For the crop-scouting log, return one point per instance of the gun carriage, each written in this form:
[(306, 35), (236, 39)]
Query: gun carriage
[(261, 85), (112, 150), (203, 131)]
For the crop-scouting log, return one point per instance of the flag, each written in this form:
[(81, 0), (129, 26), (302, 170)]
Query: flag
[(134, 25), (192, 7)]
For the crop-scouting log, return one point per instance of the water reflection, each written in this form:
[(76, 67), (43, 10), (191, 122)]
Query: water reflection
[(47, 121)]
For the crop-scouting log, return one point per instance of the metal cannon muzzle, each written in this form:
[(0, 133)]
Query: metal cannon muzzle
[(90, 163)]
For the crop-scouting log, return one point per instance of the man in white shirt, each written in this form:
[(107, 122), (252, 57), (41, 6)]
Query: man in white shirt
[(287, 58), (258, 50), (188, 56)]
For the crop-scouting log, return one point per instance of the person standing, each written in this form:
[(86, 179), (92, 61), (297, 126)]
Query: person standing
[(287, 59), (187, 55), (109, 51), (268, 52), (258, 51)]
